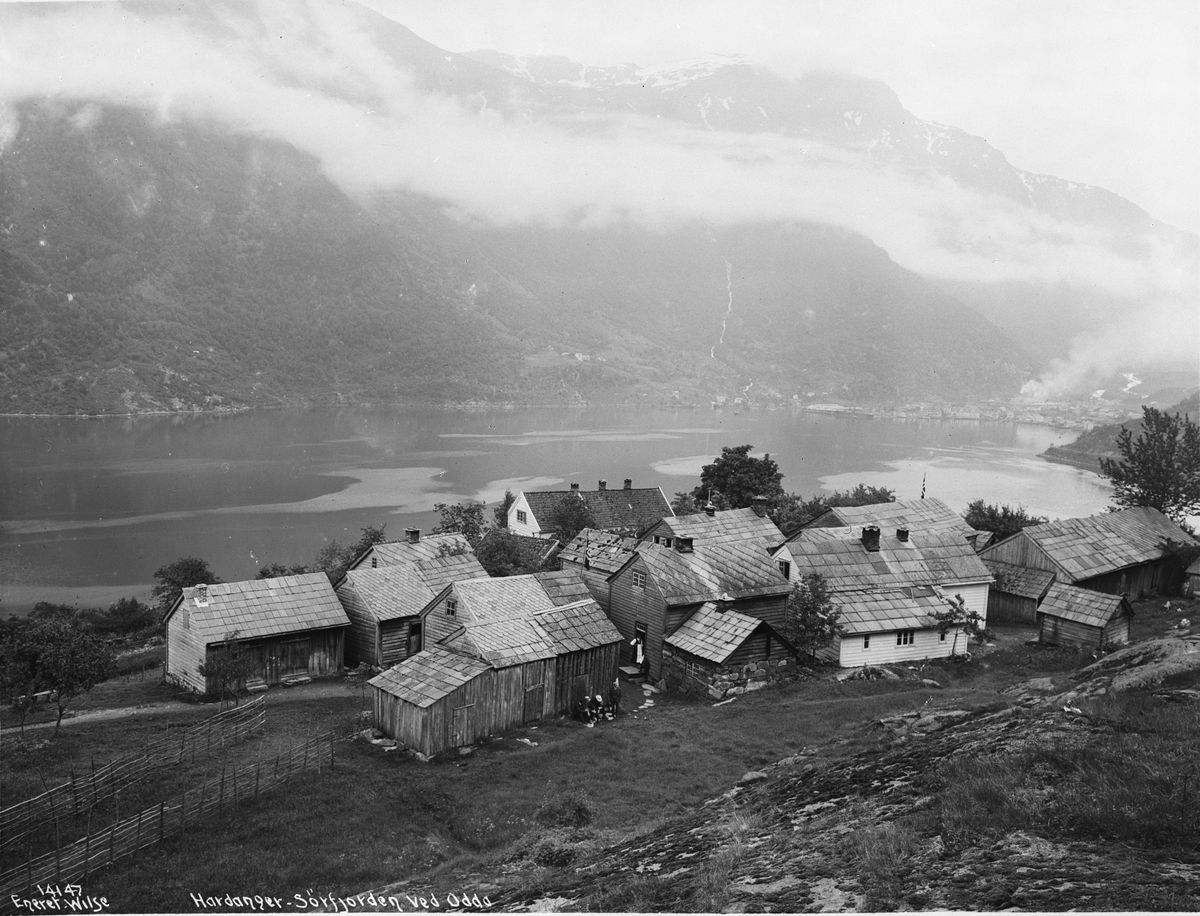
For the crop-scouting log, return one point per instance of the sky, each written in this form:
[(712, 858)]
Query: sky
[(1098, 92)]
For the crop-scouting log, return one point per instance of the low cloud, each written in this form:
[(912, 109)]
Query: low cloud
[(314, 76)]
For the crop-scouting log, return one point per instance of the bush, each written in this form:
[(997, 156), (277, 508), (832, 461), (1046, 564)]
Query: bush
[(570, 808), (553, 850)]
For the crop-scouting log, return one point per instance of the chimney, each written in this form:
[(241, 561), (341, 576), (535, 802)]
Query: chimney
[(901, 534), (412, 535), (710, 510), (683, 545), (760, 506), (870, 537), (602, 485), (201, 594), (574, 488), (628, 483)]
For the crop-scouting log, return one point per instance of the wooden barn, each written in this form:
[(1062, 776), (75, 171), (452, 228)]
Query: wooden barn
[(720, 653), (508, 651), (659, 587), (1119, 553), (384, 605), (293, 628), (1015, 595), (594, 555), (1073, 616)]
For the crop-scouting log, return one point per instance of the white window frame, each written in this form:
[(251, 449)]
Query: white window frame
[(905, 637), (522, 517), (639, 579)]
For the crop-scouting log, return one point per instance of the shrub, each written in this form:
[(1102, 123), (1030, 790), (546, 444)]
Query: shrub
[(569, 808)]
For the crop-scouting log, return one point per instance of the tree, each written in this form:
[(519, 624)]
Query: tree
[(1161, 468), (464, 518), (500, 512), (503, 553), (173, 578), (792, 511), (19, 676), (275, 570), (956, 617), (229, 665), (734, 479), (71, 660), (333, 559), (684, 504), (812, 620), (568, 516), (1002, 521)]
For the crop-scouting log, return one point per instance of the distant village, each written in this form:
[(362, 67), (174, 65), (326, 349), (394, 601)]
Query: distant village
[(695, 603)]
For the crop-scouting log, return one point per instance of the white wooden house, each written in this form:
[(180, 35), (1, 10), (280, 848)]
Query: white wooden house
[(630, 510)]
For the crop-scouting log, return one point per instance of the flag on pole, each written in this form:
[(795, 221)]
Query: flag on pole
[(923, 476)]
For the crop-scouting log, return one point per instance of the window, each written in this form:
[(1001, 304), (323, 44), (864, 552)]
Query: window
[(451, 607), (667, 542), (187, 623), (866, 642), (942, 637), (904, 637), (639, 579), (374, 562), (521, 517), (785, 568)]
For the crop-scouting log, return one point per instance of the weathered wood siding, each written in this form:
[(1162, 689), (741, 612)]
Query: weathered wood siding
[(495, 700), (594, 579), (584, 674), (760, 646), (771, 608), (1162, 576), (185, 652), (1057, 631), (630, 606), (316, 653), (1022, 551), (1003, 607), (394, 640), (362, 642), (884, 650)]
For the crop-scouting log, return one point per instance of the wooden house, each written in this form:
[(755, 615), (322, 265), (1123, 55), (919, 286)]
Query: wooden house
[(721, 653), (749, 524), (887, 586), (503, 652), (915, 515), (659, 587), (384, 604), (292, 627), (1015, 595), (1119, 553), (1074, 616), (629, 510), (594, 555), (411, 549)]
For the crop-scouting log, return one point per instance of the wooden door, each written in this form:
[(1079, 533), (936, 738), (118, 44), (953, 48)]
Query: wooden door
[(414, 638), (460, 726), (293, 656), (579, 691), (534, 698)]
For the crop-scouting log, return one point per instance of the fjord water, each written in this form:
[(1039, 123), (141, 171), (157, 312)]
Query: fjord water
[(90, 508)]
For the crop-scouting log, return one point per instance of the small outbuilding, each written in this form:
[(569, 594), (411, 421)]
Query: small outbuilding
[(291, 627), (886, 627), (720, 653), (1018, 590), (1073, 616)]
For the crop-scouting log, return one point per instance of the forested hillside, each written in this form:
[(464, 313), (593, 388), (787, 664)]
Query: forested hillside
[(1101, 441)]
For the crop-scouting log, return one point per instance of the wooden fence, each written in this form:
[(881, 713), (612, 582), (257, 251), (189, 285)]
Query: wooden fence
[(82, 793), (77, 860)]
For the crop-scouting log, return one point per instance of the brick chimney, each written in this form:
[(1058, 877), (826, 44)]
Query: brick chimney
[(870, 537), (602, 485), (412, 535), (628, 483), (759, 503), (901, 534), (574, 488), (201, 593)]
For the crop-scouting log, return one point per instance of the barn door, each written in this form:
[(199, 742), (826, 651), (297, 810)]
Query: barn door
[(579, 691), (294, 655), (460, 726), (534, 698)]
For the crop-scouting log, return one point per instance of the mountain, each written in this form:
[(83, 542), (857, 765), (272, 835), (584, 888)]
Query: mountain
[(303, 246), (1101, 441)]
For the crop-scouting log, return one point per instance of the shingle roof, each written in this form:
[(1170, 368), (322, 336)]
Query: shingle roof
[(395, 553), (1194, 569), (734, 524), (264, 607), (428, 676), (913, 514), (391, 592), (715, 570), (1082, 605), (1020, 580), (578, 626), (563, 586), (604, 551), (1098, 544), (534, 551), (928, 557), (503, 641), (898, 609), (635, 509), (711, 634)]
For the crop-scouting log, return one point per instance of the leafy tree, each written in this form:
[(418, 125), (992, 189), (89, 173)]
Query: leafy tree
[(792, 511), (70, 661), (463, 518), (229, 666), (503, 553), (19, 676), (1161, 468), (568, 516), (734, 479), (812, 620), (333, 559), (1002, 521), (500, 512), (173, 578), (124, 617), (684, 504), (956, 617), (275, 570), (48, 610)]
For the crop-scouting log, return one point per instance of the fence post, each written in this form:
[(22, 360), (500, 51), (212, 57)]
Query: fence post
[(74, 790)]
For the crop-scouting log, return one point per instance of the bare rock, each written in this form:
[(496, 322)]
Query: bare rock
[(751, 777)]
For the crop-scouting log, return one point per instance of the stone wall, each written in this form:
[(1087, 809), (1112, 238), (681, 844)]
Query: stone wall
[(695, 676)]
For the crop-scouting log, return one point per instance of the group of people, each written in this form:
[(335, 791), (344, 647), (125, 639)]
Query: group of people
[(593, 709)]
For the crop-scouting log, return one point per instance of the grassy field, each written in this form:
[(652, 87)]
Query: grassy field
[(381, 817)]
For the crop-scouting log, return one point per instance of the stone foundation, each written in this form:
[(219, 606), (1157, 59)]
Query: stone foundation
[(697, 677)]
